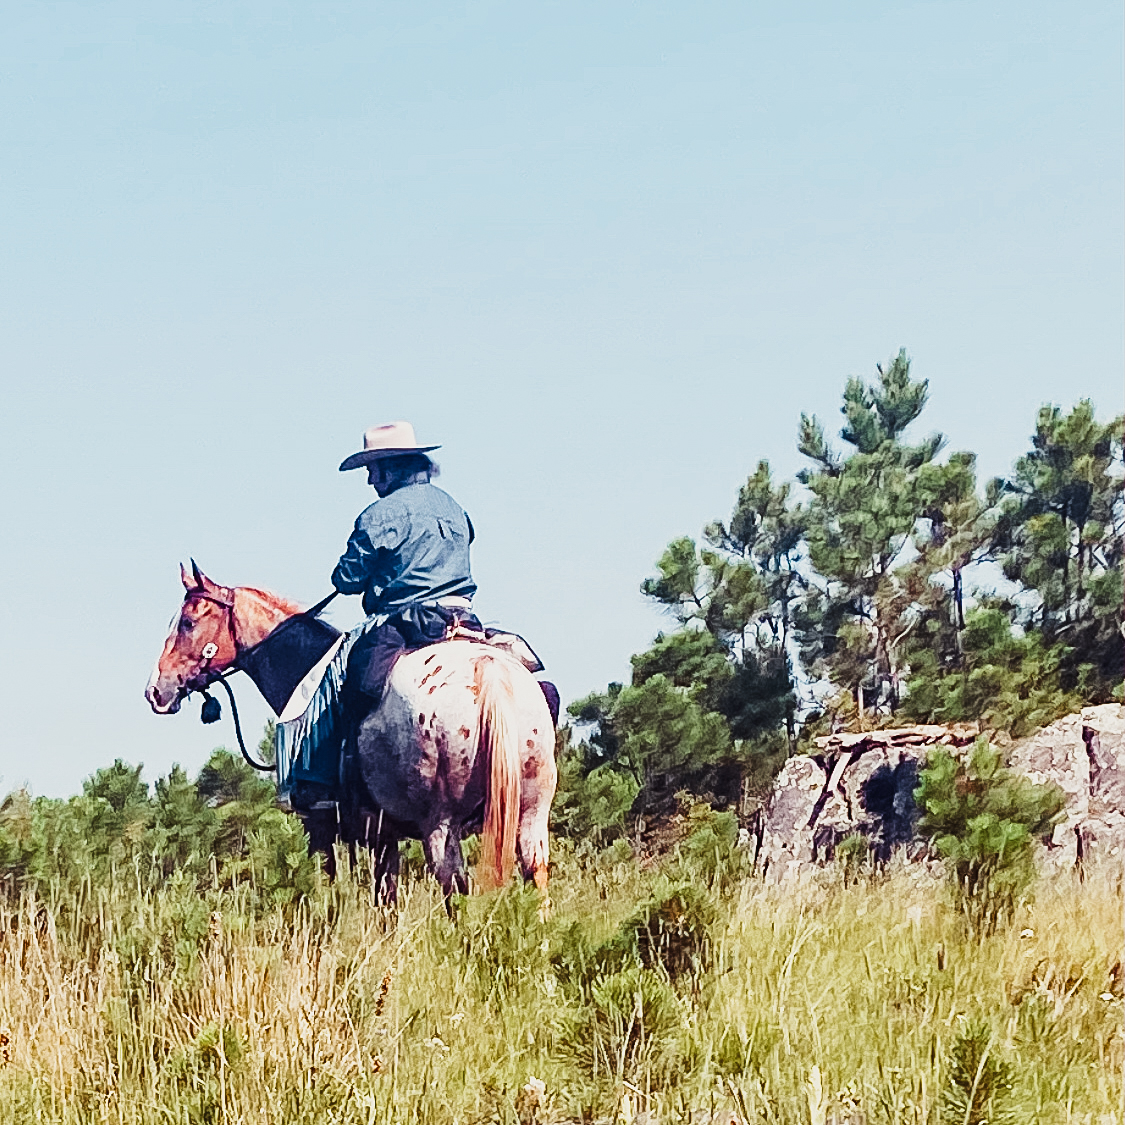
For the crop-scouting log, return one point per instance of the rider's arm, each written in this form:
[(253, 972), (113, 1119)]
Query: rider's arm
[(375, 536), (352, 571)]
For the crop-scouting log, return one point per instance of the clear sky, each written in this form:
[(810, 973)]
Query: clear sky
[(605, 253)]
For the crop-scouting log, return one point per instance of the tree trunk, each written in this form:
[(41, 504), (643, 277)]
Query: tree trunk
[(1079, 592), (1066, 568), (959, 614)]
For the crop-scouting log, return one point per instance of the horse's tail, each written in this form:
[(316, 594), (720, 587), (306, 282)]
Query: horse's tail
[(499, 744)]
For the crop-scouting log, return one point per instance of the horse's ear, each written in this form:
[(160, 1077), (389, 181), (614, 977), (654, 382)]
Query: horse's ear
[(202, 582), (187, 579)]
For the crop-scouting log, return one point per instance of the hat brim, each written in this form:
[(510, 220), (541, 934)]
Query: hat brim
[(366, 456)]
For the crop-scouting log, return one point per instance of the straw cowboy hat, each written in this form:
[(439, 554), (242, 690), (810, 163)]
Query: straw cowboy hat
[(386, 441)]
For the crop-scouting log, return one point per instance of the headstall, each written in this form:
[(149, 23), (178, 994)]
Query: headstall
[(212, 709)]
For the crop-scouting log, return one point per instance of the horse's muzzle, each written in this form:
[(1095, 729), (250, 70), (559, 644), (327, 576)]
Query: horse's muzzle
[(164, 702)]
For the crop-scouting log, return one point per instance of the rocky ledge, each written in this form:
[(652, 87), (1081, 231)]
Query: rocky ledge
[(864, 783)]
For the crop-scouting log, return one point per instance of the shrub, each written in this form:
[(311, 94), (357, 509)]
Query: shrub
[(670, 932), (224, 825), (501, 938), (1007, 679), (740, 1052), (710, 852), (978, 1082), (630, 1030), (590, 804), (983, 819), (853, 857), (196, 1072)]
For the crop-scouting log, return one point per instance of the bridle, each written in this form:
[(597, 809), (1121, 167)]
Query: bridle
[(210, 650), (212, 710)]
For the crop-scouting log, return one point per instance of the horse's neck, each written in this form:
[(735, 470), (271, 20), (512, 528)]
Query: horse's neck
[(257, 613)]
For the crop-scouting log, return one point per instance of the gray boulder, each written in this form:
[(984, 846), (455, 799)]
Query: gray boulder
[(1084, 755), (864, 783)]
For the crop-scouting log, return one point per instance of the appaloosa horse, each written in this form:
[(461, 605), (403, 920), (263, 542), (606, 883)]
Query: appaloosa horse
[(462, 740)]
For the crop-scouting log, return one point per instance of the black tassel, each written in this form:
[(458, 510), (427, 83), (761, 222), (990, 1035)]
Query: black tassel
[(212, 710)]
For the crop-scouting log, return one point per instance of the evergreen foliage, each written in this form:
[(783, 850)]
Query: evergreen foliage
[(221, 829), (864, 510), (705, 699), (188, 1003), (978, 1080), (592, 800), (177, 930), (864, 588), (710, 853), (983, 820), (1059, 533), (1007, 678)]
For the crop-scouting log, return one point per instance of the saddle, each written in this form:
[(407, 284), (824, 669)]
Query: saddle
[(511, 643)]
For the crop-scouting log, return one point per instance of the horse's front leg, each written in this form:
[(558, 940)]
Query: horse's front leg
[(442, 845), (322, 828)]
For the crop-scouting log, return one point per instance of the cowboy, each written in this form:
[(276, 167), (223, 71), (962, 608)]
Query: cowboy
[(408, 555)]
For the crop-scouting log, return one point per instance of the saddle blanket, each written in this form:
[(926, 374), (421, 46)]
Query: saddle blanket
[(310, 730)]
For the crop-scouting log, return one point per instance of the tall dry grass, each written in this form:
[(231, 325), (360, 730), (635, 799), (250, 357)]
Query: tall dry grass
[(831, 1003)]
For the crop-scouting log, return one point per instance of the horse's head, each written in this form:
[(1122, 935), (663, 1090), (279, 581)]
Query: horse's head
[(200, 644)]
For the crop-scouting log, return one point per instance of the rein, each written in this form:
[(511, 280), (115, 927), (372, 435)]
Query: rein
[(212, 710), (216, 714)]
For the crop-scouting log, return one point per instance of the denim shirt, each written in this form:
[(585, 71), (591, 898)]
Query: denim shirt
[(410, 546)]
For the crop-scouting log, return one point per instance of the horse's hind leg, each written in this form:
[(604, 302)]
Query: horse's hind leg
[(382, 843), (385, 871), (532, 847), (539, 779), (442, 845)]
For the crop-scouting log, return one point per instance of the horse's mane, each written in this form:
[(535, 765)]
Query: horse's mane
[(274, 601)]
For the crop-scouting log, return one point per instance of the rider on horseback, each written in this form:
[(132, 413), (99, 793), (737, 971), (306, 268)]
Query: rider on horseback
[(428, 764), (408, 555)]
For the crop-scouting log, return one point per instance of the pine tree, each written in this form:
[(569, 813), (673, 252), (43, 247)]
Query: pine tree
[(735, 597), (983, 820), (957, 528), (117, 811), (864, 511), (706, 699), (1059, 533), (184, 824), (228, 785)]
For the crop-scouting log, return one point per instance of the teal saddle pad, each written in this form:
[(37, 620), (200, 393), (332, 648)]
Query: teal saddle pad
[(308, 747)]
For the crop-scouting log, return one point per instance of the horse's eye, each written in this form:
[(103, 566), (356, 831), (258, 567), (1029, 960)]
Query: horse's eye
[(186, 624)]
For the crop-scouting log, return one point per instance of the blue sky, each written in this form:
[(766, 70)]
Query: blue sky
[(604, 253)]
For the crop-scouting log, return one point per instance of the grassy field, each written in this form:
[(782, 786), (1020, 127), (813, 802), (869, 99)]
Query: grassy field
[(645, 993)]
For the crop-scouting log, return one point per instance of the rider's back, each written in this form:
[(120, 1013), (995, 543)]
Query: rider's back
[(408, 547)]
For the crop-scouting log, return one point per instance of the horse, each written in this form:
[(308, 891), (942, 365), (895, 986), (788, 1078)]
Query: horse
[(461, 741)]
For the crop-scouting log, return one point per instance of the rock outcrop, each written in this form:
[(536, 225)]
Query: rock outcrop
[(1084, 755), (864, 783)]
